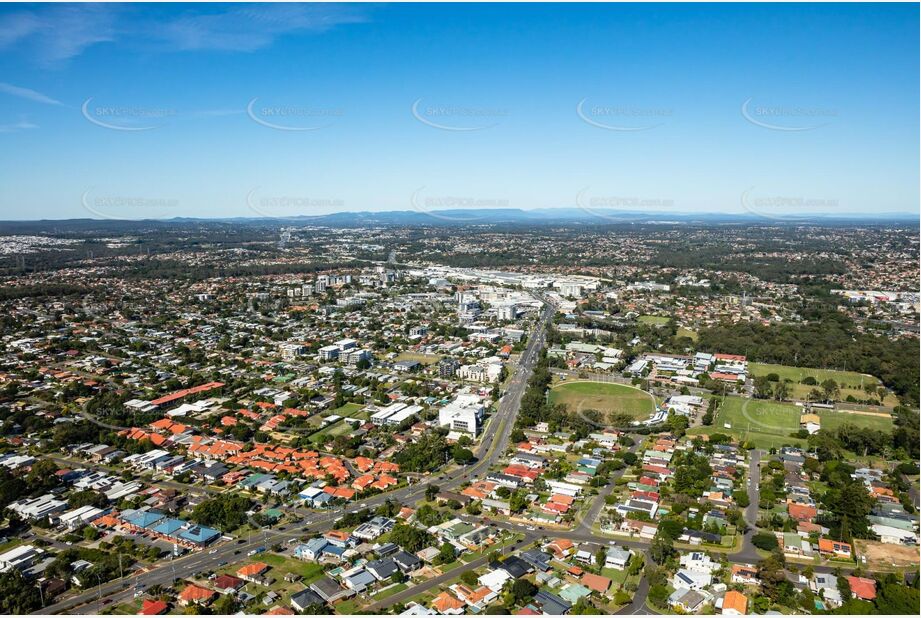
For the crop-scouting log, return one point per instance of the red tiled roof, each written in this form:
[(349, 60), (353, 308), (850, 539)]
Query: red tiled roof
[(862, 588), (153, 608)]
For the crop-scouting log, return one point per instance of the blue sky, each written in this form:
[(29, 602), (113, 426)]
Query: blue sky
[(244, 110)]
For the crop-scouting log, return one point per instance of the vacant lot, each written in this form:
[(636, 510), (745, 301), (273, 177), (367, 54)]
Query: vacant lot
[(885, 555), (655, 320), (425, 359), (604, 397)]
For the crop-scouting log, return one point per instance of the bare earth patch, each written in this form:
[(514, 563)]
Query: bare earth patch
[(886, 555)]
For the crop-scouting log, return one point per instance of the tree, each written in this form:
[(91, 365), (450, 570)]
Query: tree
[(87, 497), (397, 578), (830, 389), (462, 455), (469, 578), (522, 590), (707, 418), (90, 533), (894, 598), (446, 554), (844, 588), (661, 550), (410, 538), (18, 596), (764, 389), (518, 502), (765, 540), (426, 455), (226, 511), (226, 605), (773, 577), (781, 391), (658, 595), (317, 609)]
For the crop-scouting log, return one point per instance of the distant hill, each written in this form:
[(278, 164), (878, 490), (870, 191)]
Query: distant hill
[(463, 217)]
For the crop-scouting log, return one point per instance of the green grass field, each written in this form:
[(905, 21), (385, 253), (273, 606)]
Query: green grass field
[(425, 359), (850, 382), (604, 397), (832, 420), (769, 423), (338, 428), (350, 410), (687, 332), (656, 320)]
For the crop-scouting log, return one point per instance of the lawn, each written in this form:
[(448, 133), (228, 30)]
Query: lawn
[(392, 590), (338, 428), (128, 608), (849, 382), (769, 423), (282, 565), (604, 397), (349, 410), (687, 332), (832, 419), (655, 320)]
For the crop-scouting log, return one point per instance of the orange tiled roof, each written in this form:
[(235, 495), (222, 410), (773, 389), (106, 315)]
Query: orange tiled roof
[(445, 602), (250, 570), (363, 481), (597, 583), (195, 593), (735, 600), (833, 546)]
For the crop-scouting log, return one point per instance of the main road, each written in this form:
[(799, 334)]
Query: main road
[(492, 445)]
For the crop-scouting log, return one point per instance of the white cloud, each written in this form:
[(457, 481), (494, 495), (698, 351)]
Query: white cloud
[(27, 93), (53, 34), (22, 125)]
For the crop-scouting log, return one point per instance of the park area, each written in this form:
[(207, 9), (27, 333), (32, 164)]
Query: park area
[(769, 424), (849, 382), (605, 397)]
